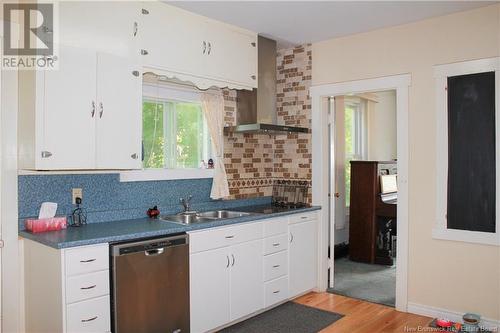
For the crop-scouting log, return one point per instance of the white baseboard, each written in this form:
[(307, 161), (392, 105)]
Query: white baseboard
[(431, 311)]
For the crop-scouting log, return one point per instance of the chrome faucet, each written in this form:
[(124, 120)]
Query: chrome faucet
[(186, 203)]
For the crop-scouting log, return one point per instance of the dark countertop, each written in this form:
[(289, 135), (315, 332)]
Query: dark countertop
[(115, 231)]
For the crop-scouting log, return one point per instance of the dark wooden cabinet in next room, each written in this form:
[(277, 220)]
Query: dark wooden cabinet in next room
[(365, 194)]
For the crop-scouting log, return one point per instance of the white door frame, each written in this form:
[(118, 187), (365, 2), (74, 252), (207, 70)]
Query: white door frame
[(320, 187)]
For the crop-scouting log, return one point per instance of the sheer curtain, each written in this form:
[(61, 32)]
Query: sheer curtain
[(213, 108)]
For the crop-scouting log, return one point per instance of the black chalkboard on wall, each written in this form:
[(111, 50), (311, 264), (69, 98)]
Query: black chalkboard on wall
[(471, 152)]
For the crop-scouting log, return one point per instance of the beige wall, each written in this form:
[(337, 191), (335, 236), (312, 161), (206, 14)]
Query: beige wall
[(445, 274), (382, 127)]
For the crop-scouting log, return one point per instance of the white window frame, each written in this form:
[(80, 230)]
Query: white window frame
[(169, 93), (441, 74)]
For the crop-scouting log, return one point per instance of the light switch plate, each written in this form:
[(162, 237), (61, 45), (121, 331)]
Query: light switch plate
[(76, 193)]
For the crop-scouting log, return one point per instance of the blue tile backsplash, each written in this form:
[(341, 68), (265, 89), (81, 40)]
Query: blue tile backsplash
[(105, 198)]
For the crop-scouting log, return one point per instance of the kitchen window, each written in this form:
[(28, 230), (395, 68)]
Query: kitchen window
[(355, 136), (175, 134), (175, 137)]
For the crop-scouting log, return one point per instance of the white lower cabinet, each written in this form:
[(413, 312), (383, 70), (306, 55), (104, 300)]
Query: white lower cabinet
[(89, 316), (67, 290), (303, 256), (240, 270), (246, 279), (209, 289)]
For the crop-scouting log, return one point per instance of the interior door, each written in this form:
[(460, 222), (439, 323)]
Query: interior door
[(303, 249), (69, 111), (119, 113), (247, 279), (209, 289)]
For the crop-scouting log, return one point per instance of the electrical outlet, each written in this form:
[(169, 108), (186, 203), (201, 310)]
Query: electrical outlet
[(76, 193)]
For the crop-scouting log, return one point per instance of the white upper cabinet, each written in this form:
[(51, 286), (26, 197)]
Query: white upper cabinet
[(190, 47), (85, 115), (65, 110), (105, 26), (118, 114)]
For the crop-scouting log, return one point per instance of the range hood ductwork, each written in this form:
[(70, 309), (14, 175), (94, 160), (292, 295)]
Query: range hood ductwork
[(256, 109)]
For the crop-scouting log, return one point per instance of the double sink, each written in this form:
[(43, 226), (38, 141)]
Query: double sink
[(203, 217)]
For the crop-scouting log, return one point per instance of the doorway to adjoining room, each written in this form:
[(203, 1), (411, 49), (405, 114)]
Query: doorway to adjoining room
[(363, 183)]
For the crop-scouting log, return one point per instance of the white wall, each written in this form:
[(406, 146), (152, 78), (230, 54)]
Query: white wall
[(382, 140), (444, 274)]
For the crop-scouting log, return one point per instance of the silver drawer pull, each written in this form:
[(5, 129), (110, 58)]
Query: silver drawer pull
[(90, 319), (229, 237), (87, 261), (276, 266), (276, 244), (87, 288), (275, 292), (303, 217)]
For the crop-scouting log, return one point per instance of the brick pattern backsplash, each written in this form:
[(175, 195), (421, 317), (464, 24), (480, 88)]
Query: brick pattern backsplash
[(254, 161)]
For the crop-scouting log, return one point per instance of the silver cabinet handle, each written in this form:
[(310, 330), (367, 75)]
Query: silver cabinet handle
[(46, 154), (136, 26), (144, 52), (145, 11), (101, 109), (87, 288), (204, 47), (291, 237), (92, 113), (229, 237), (276, 244), (276, 291), (228, 262), (134, 156), (87, 261), (90, 319), (209, 48), (276, 266), (232, 255), (253, 44), (303, 217), (253, 77)]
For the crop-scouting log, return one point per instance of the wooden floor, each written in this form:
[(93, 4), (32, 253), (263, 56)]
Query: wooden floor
[(363, 317)]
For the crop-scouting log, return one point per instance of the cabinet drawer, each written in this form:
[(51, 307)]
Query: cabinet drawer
[(81, 287), (275, 265), (86, 259), (89, 316), (275, 227), (276, 291), (216, 238), (275, 244), (307, 216)]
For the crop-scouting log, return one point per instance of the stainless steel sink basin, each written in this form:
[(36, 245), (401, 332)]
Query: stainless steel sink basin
[(223, 214), (203, 217)]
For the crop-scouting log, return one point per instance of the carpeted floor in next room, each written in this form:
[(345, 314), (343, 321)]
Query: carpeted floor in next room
[(373, 283)]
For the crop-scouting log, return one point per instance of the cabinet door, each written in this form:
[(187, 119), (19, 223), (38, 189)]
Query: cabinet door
[(171, 37), (247, 279), (69, 109), (119, 113), (303, 257), (209, 289), (106, 26), (232, 56)]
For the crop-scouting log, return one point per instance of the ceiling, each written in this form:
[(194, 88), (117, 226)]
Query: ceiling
[(296, 22)]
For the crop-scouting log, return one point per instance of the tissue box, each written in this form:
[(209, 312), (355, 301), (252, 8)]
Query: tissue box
[(49, 224)]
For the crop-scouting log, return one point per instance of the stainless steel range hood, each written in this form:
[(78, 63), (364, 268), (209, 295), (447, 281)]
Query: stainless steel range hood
[(256, 110)]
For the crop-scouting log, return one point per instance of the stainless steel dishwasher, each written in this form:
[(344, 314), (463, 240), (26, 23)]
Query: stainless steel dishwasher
[(150, 285)]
